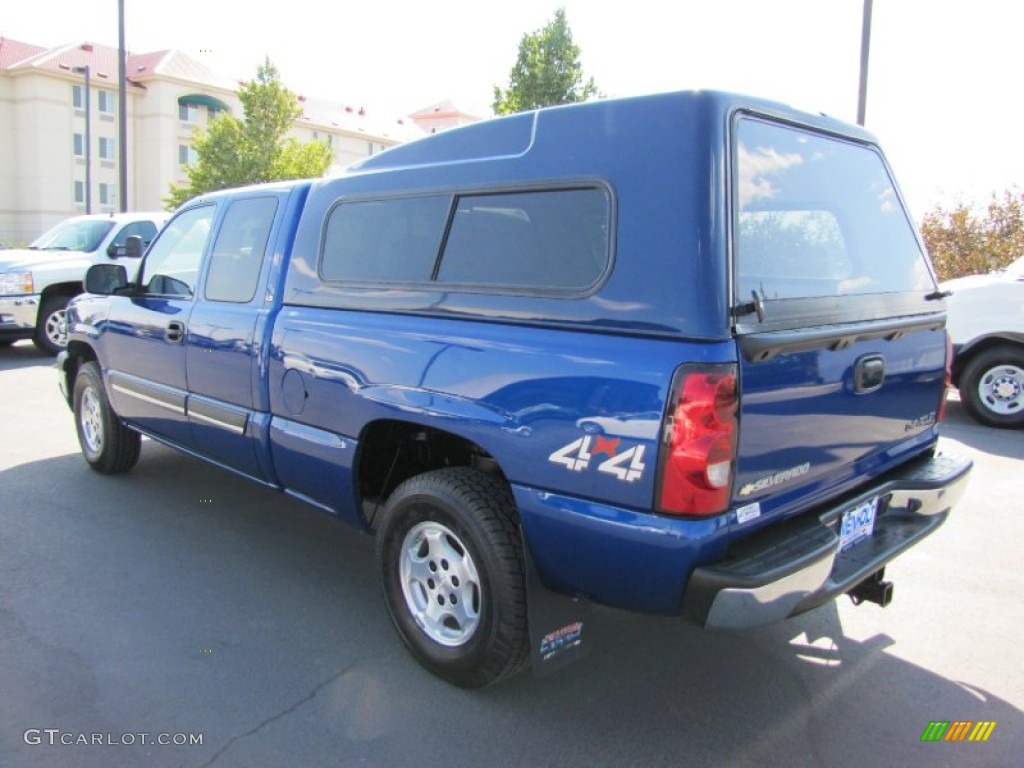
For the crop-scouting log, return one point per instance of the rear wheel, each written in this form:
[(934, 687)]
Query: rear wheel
[(992, 387), (108, 446), (51, 334), (451, 561)]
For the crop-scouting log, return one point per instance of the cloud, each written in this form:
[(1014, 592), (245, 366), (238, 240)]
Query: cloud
[(758, 168)]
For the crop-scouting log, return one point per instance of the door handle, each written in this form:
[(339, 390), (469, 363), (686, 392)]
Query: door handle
[(175, 332)]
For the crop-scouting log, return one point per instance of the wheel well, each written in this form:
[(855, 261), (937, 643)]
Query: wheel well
[(61, 289), (57, 289), (961, 360), (390, 452), (79, 354)]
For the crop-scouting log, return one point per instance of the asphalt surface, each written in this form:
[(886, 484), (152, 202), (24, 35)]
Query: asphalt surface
[(179, 599)]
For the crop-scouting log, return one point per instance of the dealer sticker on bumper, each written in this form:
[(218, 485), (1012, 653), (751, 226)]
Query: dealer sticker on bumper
[(857, 523)]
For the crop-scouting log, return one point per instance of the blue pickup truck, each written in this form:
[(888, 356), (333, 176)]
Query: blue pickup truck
[(681, 354)]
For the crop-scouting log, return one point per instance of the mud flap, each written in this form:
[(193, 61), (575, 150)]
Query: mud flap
[(559, 625)]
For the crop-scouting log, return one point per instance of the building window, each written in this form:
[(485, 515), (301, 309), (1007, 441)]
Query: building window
[(328, 137), (107, 150), (106, 194), (79, 191), (79, 141), (370, 145), (187, 155), (212, 112), (107, 102), (78, 97), (188, 113)]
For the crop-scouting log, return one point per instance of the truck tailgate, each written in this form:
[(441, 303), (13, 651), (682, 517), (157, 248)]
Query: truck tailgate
[(816, 422)]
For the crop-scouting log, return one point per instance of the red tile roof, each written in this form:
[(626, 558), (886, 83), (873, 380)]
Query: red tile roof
[(13, 51), (140, 64), (446, 108), (101, 60), (334, 116), (140, 67), (177, 64)]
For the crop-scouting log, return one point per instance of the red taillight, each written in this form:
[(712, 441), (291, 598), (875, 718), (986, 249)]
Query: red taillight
[(948, 383), (698, 449)]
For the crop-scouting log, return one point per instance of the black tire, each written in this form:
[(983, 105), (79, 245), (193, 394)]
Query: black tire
[(992, 387), (462, 525), (51, 334), (107, 445)]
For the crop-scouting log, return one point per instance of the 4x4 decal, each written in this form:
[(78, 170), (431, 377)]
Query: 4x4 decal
[(578, 455)]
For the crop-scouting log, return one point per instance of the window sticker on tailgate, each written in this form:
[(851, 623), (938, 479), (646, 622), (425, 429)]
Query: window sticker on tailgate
[(748, 512)]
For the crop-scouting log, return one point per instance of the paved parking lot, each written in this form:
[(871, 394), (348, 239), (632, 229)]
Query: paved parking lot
[(180, 600)]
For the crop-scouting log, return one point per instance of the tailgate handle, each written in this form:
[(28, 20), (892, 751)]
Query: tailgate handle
[(868, 373)]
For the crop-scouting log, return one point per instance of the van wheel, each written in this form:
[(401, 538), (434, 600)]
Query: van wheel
[(992, 387), (451, 561), (51, 335), (108, 446)]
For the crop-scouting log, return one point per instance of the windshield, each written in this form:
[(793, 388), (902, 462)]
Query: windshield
[(73, 235)]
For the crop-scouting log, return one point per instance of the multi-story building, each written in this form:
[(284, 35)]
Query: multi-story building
[(442, 116), (43, 147)]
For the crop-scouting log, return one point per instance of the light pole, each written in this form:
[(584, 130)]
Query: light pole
[(865, 44), (88, 140), (122, 110)]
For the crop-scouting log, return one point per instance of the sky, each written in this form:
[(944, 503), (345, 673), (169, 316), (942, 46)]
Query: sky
[(943, 80)]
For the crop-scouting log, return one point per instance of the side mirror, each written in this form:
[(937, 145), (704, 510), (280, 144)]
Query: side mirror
[(105, 279), (133, 246)]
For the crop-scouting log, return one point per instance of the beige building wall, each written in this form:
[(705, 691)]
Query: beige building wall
[(8, 192), (347, 149), (161, 134), (38, 124), (42, 170)]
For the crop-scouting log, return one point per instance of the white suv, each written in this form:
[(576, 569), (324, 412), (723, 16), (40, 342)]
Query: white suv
[(986, 323), (36, 283)]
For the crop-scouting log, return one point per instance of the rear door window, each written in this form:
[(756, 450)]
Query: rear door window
[(237, 255), (816, 217)]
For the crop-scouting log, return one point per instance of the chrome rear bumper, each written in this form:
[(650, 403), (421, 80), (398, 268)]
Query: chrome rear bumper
[(796, 566)]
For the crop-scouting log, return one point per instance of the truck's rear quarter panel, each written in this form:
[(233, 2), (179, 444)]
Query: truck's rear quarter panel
[(522, 397)]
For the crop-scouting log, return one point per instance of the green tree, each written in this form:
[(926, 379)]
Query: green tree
[(964, 241), (547, 72), (233, 152)]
